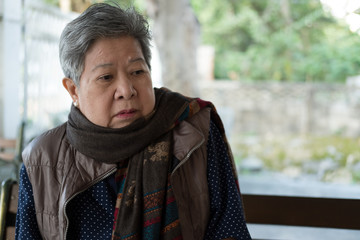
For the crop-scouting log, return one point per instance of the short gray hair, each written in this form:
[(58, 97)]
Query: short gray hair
[(100, 20)]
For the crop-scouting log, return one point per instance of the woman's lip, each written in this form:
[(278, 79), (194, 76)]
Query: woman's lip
[(126, 113)]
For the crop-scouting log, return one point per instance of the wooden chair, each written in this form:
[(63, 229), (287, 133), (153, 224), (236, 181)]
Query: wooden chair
[(8, 204), (11, 149), (7, 149), (10, 153), (302, 211)]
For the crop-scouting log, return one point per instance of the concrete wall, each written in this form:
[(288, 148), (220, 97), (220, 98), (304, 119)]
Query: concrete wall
[(286, 108)]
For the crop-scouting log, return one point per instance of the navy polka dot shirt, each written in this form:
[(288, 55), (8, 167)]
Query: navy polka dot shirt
[(91, 213)]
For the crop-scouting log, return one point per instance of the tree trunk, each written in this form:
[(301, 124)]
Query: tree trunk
[(176, 34), (75, 5), (65, 5), (286, 12)]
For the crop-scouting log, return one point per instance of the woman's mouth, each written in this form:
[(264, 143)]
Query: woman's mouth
[(127, 113)]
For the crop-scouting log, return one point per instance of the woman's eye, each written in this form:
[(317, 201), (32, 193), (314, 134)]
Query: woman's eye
[(106, 77), (138, 72)]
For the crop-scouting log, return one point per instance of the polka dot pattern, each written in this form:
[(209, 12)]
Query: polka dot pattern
[(26, 225), (91, 213), (226, 212)]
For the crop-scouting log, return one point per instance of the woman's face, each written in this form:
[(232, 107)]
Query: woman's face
[(115, 87)]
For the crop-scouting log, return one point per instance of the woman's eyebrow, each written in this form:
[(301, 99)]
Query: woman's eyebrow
[(139, 59), (101, 66)]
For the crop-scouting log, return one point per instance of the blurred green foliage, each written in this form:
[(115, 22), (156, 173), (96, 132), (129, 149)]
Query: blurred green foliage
[(52, 2), (287, 40), (139, 4)]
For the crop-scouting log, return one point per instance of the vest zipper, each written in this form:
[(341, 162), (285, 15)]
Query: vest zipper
[(189, 154), (77, 193)]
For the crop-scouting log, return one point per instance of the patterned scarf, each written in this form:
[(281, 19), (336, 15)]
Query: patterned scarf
[(146, 207)]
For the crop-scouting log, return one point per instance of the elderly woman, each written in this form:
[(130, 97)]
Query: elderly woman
[(131, 162)]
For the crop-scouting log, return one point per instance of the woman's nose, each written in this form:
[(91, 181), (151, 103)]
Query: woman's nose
[(124, 89)]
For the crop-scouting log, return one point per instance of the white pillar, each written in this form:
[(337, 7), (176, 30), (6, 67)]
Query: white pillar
[(12, 68)]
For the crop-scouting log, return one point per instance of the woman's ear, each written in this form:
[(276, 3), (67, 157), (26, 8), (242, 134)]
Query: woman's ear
[(71, 87)]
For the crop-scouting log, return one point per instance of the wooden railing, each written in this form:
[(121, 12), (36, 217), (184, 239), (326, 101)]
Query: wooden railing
[(302, 211)]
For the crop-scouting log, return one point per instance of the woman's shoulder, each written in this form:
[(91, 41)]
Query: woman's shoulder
[(201, 120), (45, 145)]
